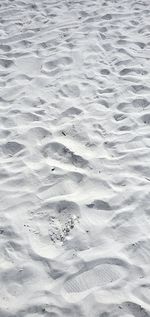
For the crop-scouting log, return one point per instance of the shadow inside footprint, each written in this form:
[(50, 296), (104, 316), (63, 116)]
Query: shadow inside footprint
[(99, 204)]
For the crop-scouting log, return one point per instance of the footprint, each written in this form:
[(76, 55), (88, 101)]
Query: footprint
[(64, 206), (139, 251), (70, 91), (102, 275), (145, 29), (38, 133), (146, 118), (122, 42), (60, 62), (105, 71), (136, 104), (123, 62), (12, 148), (50, 309), (107, 47), (63, 218), (64, 61), (27, 117), (84, 14), (119, 117), (90, 20), (5, 48), (140, 102), (139, 89), (106, 91), (73, 111), (58, 151), (127, 71), (107, 17), (6, 63), (140, 44), (51, 65), (103, 29), (125, 128), (142, 292), (135, 309), (122, 217), (104, 103), (4, 133)]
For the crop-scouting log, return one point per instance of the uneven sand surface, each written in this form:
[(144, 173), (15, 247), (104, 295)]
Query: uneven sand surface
[(75, 158)]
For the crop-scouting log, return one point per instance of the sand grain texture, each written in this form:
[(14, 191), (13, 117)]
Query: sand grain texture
[(75, 153)]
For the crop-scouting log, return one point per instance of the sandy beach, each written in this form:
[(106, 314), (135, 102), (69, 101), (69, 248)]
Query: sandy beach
[(75, 158)]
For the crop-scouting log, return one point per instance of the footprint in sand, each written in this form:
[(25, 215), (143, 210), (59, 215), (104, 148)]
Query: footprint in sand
[(108, 273)]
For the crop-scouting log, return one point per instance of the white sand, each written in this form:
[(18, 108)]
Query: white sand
[(75, 158)]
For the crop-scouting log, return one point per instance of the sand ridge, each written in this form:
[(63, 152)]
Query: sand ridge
[(75, 152)]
